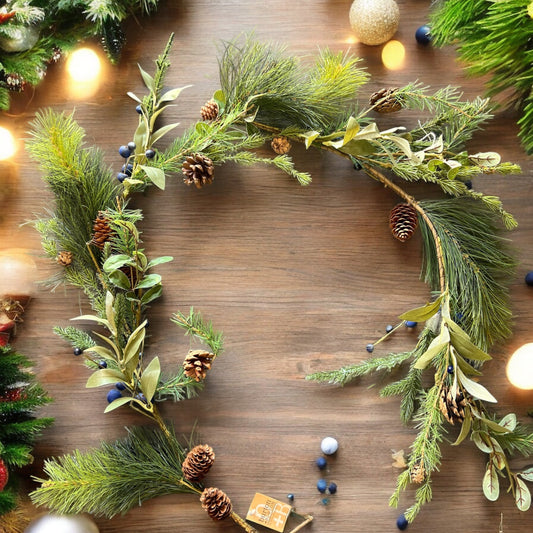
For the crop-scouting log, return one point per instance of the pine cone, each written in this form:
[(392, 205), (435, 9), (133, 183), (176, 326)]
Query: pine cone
[(13, 307), (197, 363), (102, 230), (64, 258), (12, 81), (385, 101), (198, 169), (281, 145), (216, 503), (453, 408), (4, 475), (209, 110), (403, 221), (198, 463), (417, 473), (11, 395)]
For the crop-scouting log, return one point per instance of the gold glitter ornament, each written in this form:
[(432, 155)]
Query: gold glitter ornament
[(374, 21)]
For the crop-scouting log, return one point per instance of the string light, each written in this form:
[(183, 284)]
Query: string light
[(84, 65), (8, 146), (520, 367), (393, 55)]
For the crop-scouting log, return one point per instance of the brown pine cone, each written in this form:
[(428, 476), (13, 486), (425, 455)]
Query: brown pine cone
[(198, 170), (102, 230), (417, 473), (209, 110), (453, 408), (64, 258), (198, 463), (385, 101), (216, 503), (403, 221), (197, 363), (281, 145)]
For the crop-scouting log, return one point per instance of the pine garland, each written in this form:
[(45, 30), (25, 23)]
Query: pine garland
[(467, 263), (494, 40)]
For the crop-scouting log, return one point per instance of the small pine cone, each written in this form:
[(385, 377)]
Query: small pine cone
[(453, 408), (102, 230), (11, 395), (403, 221), (417, 473), (198, 169), (197, 363), (198, 463), (216, 503), (64, 258), (4, 475), (385, 101), (280, 145), (209, 110), (12, 81)]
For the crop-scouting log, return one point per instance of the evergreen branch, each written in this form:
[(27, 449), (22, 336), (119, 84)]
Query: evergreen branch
[(195, 326), (76, 337), (177, 387)]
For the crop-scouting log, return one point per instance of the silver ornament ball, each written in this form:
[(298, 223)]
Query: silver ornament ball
[(51, 523), (374, 21), (22, 39), (329, 445)]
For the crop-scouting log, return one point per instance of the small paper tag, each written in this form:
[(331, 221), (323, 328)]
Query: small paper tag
[(268, 512)]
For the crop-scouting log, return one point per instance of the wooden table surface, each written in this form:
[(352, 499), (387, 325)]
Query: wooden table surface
[(298, 279)]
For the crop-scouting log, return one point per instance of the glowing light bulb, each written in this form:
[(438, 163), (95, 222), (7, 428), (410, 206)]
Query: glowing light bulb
[(393, 55), (520, 367), (84, 65), (8, 147), (352, 39)]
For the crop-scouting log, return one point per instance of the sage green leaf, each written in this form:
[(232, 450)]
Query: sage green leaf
[(162, 131), (104, 377), (140, 137), (495, 427), (150, 378), (117, 403), (159, 261), (149, 281), (486, 159), (110, 312), (119, 279), (358, 147), (498, 458), (202, 128), (439, 343), (100, 350), (527, 474), (141, 259), (475, 389), (352, 129), (110, 342), (93, 318), (171, 95), (421, 314), (465, 428), (467, 368), (522, 495), (148, 80), (155, 114), (134, 342), (309, 137), (509, 421), (491, 484), (219, 97), (152, 294), (480, 440), (462, 343), (156, 175), (117, 261), (134, 97)]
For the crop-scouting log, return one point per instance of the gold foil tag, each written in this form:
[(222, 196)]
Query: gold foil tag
[(268, 512)]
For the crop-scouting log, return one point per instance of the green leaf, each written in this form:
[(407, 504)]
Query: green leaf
[(491, 484), (100, 350), (522, 495), (110, 342), (156, 175), (462, 343), (119, 279), (219, 97), (117, 403), (494, 426), (465, 428), (421, 314), (134, 343), (140, 137), (159, 261), (475, 389), (467, 368), (162, 131), (439, 343), (149, 281), (152, 294), (148, 80), (359, 147), (114, 262), (509, 421), (309, 137), (134, 97), (110, 312), (479, 438), (171, 95), (498, 458), (352, 129), (527, 474), (155, 114), (104, 377), (94, 318), (486, 159), (150, 378)]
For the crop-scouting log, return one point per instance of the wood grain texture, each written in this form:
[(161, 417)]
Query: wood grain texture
[(299, 279)]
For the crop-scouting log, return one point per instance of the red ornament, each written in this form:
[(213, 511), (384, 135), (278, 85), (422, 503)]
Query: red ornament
[(6, 16), (4, 475), (11, 395)]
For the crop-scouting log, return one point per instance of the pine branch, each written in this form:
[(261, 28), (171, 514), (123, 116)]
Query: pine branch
[(195, 326), (177, 387), (76, 337)]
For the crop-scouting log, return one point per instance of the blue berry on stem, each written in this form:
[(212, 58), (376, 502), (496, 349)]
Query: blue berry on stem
[(423, 35), (113, 395), (369, 348), (77, 351), (450, 369), (332, 488), (139, 109), (402, 523), (131, 146), (150, 154), (321, 463), (321, 485), (102, 364), (124, 151), (290, 497), (389, 328), (121, 176), (529, 278), (410, 324), (141, 397), (468, 184), (120, 385), (127, 169)]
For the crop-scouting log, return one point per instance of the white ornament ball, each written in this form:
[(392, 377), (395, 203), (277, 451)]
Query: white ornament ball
[(50, 523), (329, 445), (21, 40), (374, 21)]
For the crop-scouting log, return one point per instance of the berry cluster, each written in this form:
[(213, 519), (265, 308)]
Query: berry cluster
[(128, 152), (409, 324)]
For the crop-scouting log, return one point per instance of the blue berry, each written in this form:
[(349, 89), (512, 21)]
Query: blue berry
[(124, 151), (402, 523), (139, 109), (102, 364), (113, 395), (369, 348), (290, 497), (127, 169), (322, 485), (141, 397), (321, 463), (468, 184), (529, 278), (324, 501), (120, 385), (77, 351), (332, 488), (410, 324), (450, 369), (356, 165), (121, 176), (150, 154), (423, 35), (389, 328), (131, 146)]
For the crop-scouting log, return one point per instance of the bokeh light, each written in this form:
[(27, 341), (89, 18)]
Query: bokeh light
[(8, 146), (520, 367), (393, 55), (84, 65)]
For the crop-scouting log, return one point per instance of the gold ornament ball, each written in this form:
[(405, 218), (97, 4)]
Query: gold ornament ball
[(52, 523), (374, 21)]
